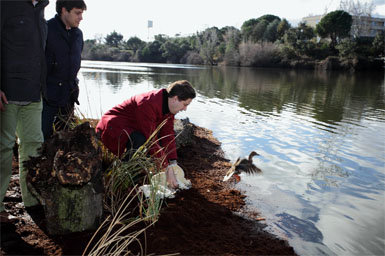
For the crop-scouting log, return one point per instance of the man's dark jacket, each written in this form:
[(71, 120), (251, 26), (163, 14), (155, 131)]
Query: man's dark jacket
[(23, 36), (63, 56)]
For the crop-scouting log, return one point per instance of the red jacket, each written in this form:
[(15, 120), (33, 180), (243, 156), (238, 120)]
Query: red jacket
[(143, 113)]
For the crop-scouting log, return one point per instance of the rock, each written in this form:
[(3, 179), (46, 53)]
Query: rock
[(183, 131), (73, 209)]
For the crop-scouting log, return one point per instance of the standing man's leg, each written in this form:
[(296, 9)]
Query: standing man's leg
[(65, 118), (8, 120), (47, 119), (30, 136)]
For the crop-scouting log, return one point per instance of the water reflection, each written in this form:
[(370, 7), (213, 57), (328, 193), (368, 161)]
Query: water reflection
[(114, 79), (303, 228), (321, 137), (329, 96)]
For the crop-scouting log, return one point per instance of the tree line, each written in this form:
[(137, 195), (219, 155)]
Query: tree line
[(267, 41)]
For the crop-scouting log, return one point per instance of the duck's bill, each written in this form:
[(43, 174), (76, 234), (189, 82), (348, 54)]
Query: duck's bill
[(228, 176)]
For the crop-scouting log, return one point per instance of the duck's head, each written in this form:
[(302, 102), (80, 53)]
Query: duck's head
[(252, 154)]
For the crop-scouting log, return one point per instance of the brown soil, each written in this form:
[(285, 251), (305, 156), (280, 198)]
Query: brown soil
[(211, 218)]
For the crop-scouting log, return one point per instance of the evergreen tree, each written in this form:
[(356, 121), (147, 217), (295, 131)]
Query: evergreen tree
[(335, 25), (114, 39)]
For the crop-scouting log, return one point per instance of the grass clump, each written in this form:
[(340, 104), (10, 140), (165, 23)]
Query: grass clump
[(129, 212)]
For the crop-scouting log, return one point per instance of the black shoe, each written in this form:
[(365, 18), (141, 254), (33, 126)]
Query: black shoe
[(36, 212), (35, 209), (4, 217)]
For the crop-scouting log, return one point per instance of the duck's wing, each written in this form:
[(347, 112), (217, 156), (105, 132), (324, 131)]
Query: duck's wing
[(247, 167), (228, 175), (232, 170)]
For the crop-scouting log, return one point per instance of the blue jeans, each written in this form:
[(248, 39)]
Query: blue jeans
[(58, 117)]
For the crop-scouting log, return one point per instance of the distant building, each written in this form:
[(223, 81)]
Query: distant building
[(362, 26), (312, 21)]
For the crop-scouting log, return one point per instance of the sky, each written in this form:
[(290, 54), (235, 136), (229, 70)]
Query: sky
[(170, 17)]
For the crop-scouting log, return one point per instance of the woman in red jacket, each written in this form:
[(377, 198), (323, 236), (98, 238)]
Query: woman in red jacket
[(130, 124)]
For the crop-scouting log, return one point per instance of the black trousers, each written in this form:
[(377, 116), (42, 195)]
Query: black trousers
[(136, 140), (61, 117)]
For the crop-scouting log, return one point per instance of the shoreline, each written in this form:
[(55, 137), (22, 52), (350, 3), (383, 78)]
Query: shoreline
[(208, 219)]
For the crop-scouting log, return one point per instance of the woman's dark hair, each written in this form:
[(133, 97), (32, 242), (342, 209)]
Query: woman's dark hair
[(182, 88), (69, 5)]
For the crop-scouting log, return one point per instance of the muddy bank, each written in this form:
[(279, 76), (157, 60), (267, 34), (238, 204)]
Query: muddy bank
[(199, 221)]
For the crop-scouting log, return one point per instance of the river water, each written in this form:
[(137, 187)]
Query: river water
[(320, 136)]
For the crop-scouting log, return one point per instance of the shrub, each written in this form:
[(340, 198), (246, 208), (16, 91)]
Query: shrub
[(192, 57), (287, 52), (258, 54), (347, 48), (231, 58), (378, 45)]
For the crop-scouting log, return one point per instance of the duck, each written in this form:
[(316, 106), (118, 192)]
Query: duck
[(243, 166)]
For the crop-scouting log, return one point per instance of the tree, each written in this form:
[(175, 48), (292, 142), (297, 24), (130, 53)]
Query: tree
[(283, 26), (161, 38), (259, 31), (88, 45), (269, 18), (357, 8), (301, 33), (184, 44), (152, 53), (247, 28), (379, 45), (347, 48), (254, 29), (208, 43), (361, 12), (299, 38), (305, 32), (98, 38), (335, 25), (271, 33), (171, 52), (232, 39), (114, 39), (134, 43)]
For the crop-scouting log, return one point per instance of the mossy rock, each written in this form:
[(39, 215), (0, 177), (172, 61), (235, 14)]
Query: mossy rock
[(70, 209)]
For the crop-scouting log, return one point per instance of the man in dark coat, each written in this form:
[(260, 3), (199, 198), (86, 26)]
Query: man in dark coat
[(23, 72), (63, 56), (128, 125)]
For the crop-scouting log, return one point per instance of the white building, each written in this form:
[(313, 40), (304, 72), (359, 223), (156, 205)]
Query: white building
[(362, 26)]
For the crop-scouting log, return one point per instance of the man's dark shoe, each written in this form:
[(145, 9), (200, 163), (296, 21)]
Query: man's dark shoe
[(4, 217), (36, 212)]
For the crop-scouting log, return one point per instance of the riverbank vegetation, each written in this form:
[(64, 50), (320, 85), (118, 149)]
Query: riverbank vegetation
[(267, 41)]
